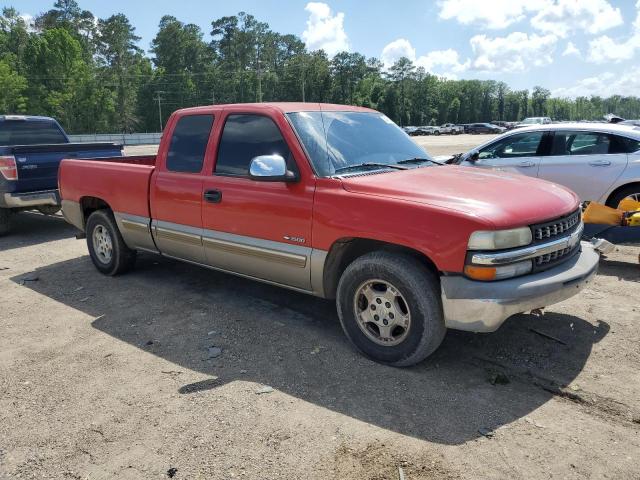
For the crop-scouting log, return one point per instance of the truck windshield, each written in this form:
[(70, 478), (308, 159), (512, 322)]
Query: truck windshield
[(336, 141), (22, 132)]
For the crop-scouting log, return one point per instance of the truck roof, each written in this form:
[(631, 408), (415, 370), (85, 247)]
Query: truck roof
[(28, 118), (284, 107)]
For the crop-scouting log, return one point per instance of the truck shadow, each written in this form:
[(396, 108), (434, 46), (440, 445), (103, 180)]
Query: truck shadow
[(629, 271), (33, 228), (294, 343)]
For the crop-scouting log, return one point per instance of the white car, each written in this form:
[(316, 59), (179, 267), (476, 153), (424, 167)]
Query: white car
[(600, 162), (534, 121), (451, 128)]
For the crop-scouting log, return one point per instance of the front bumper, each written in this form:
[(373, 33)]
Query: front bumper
[(31, 199), (483, 306)]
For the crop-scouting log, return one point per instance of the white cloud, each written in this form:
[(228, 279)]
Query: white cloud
[(516, 52), (571, 50), (500, 14), (605, 49), (557, 17), (604, 85), (445, 63), (325, 30), (397, 49), (562, 17)]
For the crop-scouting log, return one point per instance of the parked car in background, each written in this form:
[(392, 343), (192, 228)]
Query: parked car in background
[(633, 123), (475, 128), (506, 125), (451, 129), (412, 131), (30, 151), (600, 162), (407, 247), (534, 121), (429, 130)]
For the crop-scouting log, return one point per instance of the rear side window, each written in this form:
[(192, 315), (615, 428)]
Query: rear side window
[(26, 132), (623, 145), (245, 137), (189, 143), (580, 143)]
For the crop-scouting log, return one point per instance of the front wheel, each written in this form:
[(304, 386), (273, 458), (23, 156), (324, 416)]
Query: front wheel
[(107, 249), (390, 308)]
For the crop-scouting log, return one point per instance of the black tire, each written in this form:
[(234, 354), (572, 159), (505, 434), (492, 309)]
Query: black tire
[(436, 132), (5, 220), (122, 258), (418, 286), (625, 192)]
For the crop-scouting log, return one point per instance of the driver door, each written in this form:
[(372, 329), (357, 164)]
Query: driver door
[(517, 153)]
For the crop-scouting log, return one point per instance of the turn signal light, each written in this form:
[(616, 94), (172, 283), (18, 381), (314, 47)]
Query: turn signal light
[(8, 167), (480, 273)]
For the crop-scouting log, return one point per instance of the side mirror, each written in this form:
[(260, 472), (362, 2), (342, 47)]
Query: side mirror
[(473, 157), (270, 168)]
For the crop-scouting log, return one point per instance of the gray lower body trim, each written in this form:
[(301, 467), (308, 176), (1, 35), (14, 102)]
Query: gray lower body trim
[(483, 306), (135, 231), (31, 199), (277, 262), (294, 266), (72, 212)]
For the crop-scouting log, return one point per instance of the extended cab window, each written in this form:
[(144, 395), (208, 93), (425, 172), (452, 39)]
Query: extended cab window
[(29, 132), (245, 137), (189, 143), (518, 145)]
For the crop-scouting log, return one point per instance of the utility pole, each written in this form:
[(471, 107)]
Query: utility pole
[(159, 99), (213, 96)]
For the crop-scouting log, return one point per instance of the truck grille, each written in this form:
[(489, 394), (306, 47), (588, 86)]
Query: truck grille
[(560, 227), (550, 259)]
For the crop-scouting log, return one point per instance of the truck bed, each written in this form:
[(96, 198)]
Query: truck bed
[(38, 164), (122, 182)]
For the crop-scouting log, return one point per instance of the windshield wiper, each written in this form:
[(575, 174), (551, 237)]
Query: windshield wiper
[(418, 160), (369, 164)]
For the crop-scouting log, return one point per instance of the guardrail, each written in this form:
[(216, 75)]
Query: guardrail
[(123, 138)]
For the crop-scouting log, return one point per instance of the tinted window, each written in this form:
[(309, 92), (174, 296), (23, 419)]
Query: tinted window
[(580, 143), (189, 143), (518, 145), (23, 132), (623, 145), (245, 137)]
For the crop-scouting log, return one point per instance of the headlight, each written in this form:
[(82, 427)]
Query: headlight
[(498, 273), (499, 239)]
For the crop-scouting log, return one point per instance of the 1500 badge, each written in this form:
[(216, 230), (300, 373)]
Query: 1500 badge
[(294, 239)]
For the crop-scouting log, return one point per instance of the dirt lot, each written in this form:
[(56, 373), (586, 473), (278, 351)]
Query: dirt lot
[(105, 378)]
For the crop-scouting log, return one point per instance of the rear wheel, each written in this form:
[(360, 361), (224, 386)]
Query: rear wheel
[(631, 191), (390, 308), (5, 220), (107, 249)]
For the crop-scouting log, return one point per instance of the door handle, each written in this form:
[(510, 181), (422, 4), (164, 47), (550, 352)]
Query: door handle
[(213, 196), (526, 163), (600, 163)]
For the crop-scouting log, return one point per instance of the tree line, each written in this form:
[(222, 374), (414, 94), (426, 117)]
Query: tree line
[(92, 76)]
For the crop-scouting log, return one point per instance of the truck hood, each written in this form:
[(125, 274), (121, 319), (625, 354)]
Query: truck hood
[(503, 199)]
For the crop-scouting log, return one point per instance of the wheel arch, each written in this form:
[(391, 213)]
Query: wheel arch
[(618, 189), (88, 205), (345, 250)]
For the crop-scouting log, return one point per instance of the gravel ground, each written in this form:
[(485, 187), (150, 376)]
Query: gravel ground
[(105, 378)]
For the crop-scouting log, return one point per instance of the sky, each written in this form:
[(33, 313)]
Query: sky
[(572, 47)]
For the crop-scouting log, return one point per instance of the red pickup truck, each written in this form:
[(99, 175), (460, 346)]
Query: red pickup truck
[(338, 202)]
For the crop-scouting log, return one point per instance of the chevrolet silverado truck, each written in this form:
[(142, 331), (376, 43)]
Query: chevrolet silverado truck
[(31, 149), (338, 202)]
